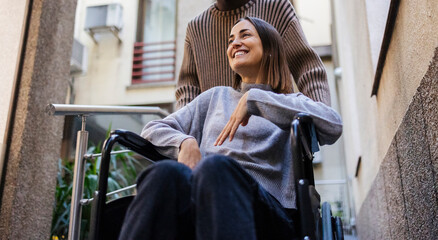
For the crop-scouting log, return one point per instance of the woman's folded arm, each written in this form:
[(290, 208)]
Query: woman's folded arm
[(281, 108)]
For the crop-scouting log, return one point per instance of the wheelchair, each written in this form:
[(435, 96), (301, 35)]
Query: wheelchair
[(315, 222)]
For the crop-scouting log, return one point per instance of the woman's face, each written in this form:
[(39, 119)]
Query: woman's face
[(245, 49)]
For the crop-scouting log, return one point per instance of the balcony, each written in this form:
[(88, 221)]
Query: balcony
[(153, 62)]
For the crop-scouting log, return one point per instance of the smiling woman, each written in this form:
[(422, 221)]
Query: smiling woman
[(272, 67), (242, 188)]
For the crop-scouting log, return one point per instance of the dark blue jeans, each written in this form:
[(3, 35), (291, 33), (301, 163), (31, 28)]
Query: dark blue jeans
[(217, 200)]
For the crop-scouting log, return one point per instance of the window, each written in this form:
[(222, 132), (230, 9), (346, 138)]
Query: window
[(154, 51), (377, 15), (380, 33)]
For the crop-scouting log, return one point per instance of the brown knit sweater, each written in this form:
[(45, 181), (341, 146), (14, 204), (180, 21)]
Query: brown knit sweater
[(205, 63)]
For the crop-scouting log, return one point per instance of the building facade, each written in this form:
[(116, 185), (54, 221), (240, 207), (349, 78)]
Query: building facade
[(139, 64)]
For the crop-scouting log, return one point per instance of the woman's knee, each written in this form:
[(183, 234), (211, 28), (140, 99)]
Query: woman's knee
[(214, 164), (167, 170), (214, 169)]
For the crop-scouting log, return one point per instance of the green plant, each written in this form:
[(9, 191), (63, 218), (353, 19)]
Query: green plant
[(338, 210), (63, 192), (123, 172)]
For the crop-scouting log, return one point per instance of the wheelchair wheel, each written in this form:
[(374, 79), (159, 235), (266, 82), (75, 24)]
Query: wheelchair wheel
[(339, 231), (327, 228), (113, 217)]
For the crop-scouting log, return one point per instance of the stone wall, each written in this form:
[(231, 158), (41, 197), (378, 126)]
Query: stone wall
[(28, 187), (403, 200)]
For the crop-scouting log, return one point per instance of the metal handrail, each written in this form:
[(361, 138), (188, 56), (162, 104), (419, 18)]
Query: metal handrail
[(73, 109), (82, 140), (89, 200), (94, 155)]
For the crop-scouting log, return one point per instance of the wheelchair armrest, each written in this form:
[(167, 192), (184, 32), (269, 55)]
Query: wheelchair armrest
[(137, 144)]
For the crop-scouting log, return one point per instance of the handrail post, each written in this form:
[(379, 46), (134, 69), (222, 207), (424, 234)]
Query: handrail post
[(78, 182)]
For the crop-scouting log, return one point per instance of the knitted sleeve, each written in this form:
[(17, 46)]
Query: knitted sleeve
[(305, 64), (188, 82), (281, 108), (167, 134), (188, 122)]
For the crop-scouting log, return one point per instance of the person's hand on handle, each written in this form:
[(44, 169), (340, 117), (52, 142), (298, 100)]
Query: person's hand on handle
[(240, 116), (189, 153)]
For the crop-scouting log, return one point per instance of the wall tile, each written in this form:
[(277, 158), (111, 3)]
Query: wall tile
[(365, 227), (396, 210), (416, 171), (381, 218)]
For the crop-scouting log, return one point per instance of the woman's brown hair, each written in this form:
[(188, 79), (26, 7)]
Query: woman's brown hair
[(273, 66)]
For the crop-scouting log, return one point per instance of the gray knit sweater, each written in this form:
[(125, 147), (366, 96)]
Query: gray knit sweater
[(262, 147), (205, 63)]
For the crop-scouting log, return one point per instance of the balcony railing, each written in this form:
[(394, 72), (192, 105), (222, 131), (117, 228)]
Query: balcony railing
[(153, 62)]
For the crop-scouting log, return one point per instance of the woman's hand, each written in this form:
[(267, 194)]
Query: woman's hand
[(240, 116), (189, 153)]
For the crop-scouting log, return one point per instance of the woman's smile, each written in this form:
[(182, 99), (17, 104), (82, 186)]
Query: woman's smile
[(239, 53)]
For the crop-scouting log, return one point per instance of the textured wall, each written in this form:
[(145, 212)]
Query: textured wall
[(370, 123), (403, 200), (11, 20), (28, 194)]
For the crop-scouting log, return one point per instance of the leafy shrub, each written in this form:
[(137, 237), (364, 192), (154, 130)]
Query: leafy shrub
[(123, 172)]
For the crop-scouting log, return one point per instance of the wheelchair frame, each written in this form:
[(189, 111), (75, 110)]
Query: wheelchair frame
[(313, 224)]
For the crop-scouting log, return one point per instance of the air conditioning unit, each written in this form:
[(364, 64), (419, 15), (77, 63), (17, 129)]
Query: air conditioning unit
[(79, 58), (104, 19), (104, 16)]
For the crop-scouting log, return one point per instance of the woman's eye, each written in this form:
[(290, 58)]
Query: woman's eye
[(246, 35), (230, 41)]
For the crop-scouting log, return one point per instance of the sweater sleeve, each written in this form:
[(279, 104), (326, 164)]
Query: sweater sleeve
[(305, 64), (281, 108), (188, 83), (167, 134)]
